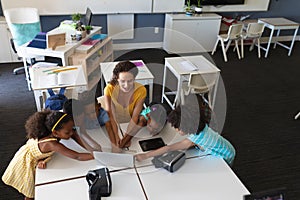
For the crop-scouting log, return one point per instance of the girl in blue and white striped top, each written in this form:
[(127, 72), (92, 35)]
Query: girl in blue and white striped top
[(193, 120)]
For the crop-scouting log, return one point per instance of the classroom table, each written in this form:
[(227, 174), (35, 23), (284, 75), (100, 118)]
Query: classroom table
[(62, 52), (42, 78), (143, 77), (279, 24), (202, 176), (181, 67)]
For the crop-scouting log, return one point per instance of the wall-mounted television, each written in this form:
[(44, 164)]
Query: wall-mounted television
[(217, 2)]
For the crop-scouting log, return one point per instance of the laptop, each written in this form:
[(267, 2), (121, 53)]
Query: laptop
[(88, 16)]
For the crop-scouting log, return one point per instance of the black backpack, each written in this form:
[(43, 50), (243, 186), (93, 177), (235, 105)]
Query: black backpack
[(56, 101)]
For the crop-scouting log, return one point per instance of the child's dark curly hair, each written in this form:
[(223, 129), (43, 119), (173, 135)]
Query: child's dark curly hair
[(190, 118), (124, 66), (39, 124)]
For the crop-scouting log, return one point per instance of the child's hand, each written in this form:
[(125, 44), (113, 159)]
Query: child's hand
[(42, 164), (141, 157), (122, 144)]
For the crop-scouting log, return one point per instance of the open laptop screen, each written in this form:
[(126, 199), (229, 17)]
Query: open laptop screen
[(88, 17)]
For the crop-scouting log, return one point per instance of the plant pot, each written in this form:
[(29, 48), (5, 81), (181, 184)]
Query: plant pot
[(198, 10), (189, 13)]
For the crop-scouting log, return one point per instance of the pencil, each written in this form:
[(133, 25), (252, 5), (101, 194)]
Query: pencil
[(62, 70)]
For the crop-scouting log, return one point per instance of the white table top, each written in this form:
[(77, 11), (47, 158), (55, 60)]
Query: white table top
[(60, 51), (280, 21), (199, 178), (187, 64), (41, 79), (204, 177), (125, 185), (108, 67)]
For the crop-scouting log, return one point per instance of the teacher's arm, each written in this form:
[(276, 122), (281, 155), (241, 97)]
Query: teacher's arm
[(110, 110)]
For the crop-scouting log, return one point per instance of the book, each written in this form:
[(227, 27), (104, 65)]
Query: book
[(39, 41), (64, 76)]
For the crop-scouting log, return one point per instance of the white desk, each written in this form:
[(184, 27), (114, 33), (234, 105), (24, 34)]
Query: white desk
[(144, 76), (199, 178), (182, 74), (279, 24), (62, 52), (203, 177), (41, 80), (125, 185)]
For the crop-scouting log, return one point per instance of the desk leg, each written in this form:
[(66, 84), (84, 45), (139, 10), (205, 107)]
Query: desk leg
[(38, 99), (269, 43), (292, 44), (277, 35), (150, 91), (27, 74), (177, 97), (212, 102), (164, 84)]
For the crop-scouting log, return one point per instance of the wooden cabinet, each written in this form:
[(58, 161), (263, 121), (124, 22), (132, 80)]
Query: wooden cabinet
[(6, 52), (189, 34), (101, 52)]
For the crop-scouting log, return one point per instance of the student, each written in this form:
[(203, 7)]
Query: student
[(44, 131), (124, 97), (154, 117), (95, 116), (192, 120), (75, 108)]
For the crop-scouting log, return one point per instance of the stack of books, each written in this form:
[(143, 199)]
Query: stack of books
[(89, 44)]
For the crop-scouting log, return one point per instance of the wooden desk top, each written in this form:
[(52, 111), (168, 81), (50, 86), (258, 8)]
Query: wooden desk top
[(279, 21)]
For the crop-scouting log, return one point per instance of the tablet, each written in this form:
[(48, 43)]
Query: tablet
[(151, 144)]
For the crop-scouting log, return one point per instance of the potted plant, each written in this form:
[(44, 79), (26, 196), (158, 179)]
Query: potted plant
[(189, 11), (76, 17), (198, 8), (88, 29)]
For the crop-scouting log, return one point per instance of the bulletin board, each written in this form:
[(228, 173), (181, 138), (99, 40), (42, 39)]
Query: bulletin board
[(61, 7)]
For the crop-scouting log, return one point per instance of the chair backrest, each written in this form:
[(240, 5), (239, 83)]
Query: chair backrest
[(255, 30), (235, 31), (202, 83), (24, 24)]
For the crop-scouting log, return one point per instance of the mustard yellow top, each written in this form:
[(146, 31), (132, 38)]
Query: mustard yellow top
[(123, 114), (20, 172)]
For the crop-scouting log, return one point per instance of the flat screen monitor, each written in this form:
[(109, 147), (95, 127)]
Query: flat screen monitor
[(88, 16)]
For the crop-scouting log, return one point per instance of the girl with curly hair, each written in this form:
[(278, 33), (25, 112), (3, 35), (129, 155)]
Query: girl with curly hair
[(44, 131)]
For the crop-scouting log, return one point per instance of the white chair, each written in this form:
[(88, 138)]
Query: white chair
[(24, 24), (199, 84), (234, 33), (253, 32)]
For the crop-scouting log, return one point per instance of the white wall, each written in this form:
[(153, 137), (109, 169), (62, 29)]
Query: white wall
[(59, 7)]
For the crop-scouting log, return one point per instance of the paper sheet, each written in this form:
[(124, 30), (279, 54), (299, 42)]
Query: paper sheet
[(114, 159)]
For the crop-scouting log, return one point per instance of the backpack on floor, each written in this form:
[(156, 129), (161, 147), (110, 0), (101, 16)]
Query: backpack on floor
[(56, 101)]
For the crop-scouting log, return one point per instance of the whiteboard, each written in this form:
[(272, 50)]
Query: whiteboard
[(59, 7)]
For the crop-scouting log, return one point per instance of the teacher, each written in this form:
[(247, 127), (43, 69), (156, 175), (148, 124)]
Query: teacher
[(124, 98)]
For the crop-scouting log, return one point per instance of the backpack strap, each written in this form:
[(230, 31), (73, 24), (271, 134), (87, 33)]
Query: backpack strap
[(50, 91), (62, 90)]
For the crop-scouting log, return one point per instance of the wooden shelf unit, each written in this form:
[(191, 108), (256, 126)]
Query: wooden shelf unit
[(101, 52)]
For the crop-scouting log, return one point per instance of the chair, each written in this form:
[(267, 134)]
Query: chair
[(254, 32), (234, 33), (199, 84), (24, 25)]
